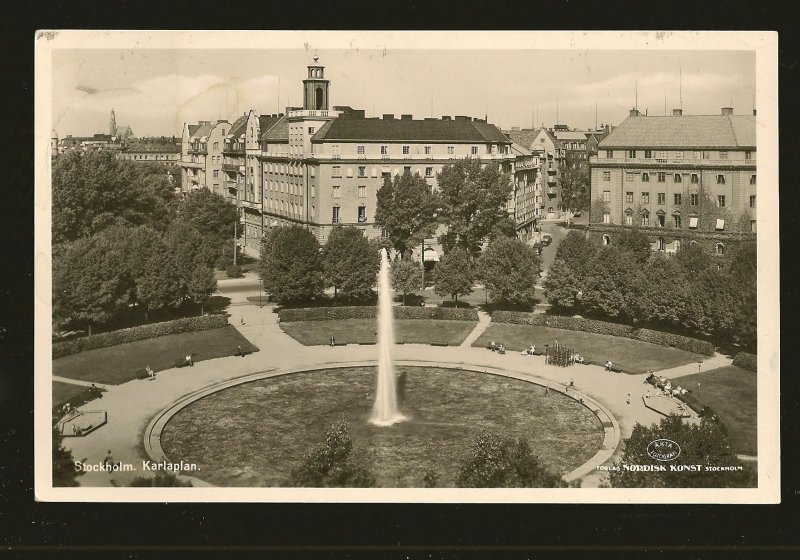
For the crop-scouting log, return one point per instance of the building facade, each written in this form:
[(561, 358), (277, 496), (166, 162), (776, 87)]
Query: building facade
[(680, 178), (163, 150), (537, 177)]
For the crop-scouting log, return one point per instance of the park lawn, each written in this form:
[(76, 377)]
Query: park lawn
[(732, 392), (353, 331), (124, 362), (66, 392), (632, 356)]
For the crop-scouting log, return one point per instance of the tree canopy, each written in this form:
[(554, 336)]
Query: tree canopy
[(454, 274), (575, 183), (406, 277), (350, 262), (332, 463), (509, 269), (291, 268), (407, 208), (474, 198)]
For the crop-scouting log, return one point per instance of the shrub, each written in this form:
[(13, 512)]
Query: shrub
[(234, 271), (604, 327), (142, 332), (362, 312), (746, 361)]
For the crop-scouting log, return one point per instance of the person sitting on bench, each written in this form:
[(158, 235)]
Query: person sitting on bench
[(492, 346), (501, 349), (609, 365)]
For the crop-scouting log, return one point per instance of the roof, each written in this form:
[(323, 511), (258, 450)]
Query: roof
[(265, 122), (520, 150), (409, 130), (192, 129), (553, 138), (571, 135), (684, 131), (202, 130), (276, 129), (523, 137), (238, 127)]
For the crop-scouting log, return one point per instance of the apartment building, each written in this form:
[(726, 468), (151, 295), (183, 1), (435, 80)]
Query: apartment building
[(679, 177), (538, 175), (201, 160)]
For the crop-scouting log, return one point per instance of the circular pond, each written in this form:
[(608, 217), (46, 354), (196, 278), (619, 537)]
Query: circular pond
[(255, 433)]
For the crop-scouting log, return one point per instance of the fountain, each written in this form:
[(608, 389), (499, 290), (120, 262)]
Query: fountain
[(385, 412)]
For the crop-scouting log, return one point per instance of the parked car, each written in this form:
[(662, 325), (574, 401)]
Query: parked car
[(547, 239)]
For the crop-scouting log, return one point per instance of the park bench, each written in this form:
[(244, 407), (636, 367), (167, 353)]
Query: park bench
[(180, 362), (366, 342), (242, 353), (342, 343), (438, 343), (616, 369)]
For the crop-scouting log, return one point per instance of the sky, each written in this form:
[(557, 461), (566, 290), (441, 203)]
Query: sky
[(156, 91)]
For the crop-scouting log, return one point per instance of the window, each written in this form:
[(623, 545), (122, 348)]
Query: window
[(606, 175), (645, 177), (631, 153), (661, 220), (646, 219), (629, 197), (677, 198), (336, 192), (695, 178), (662, 177), (629, 220), (360, 150), (406, 150), (474, 150), (720, 179), (660, 244), (606, 217), (335, 217), (677, 178), (723, 154), (629, 177), (349, 171), (335, 150), (721, 201), (362, 170), (678, 155), (606, 196), (384, 150), (384, 233), (609, 153), (337, 171), (216, 174), (719, 249), (311, 130), (451, 150), (748, 155), (606, 239), (663, 154), (752, 179), (216, 145), (648, 154), (362, 214), (362, 191), (429, 171), (693, 199), (696, 154), (645, 198), (752, 201), (677, 220), (662, 198), (427, 150)]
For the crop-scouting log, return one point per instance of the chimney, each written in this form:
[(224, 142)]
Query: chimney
[(445, 118), (677, 112), (514, 128), (727, 110), (406, 117), (388, 116), (462, 118), (634, 113)]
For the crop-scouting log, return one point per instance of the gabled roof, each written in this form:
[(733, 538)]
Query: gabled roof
[(202, 130), (274, 129), (552, 137), (684, 131), (520, 150), (523, 137), (192, 129), (409, 130), (238, 127), (265, 122)]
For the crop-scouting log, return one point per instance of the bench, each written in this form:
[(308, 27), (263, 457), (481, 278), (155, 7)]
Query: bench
[(179, 363), (439, 343), (243, 353), (616, 369), (343, 343), (366, 342)]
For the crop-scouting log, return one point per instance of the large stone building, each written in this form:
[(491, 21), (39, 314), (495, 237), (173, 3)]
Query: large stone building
[(319, 166), (163, 150), (679, 177)]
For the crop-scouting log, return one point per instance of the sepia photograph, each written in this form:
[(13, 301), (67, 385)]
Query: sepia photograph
[(407, 267)]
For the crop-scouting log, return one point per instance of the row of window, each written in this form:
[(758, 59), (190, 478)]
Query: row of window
[(426, 150), (661, 245), (361, 216), (661, 177), (677, 198), (361, 171), (664, 154), (336, 192)]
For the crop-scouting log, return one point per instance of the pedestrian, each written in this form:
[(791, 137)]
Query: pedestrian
[(628, 400), (189, 360), (608, 365), (74, 430), (150, 373), (108, 462), (242, 319), (547, 390)]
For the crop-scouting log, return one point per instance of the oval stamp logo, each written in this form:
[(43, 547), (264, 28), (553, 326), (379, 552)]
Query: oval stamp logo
[(663, 450)]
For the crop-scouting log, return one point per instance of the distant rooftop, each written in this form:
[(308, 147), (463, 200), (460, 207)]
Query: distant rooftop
[(684, 131)]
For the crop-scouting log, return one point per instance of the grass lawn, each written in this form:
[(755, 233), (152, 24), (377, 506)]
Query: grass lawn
[(121, 363), (66, 392), (632, 356), (254, 434), (353, 331), (731, 392)]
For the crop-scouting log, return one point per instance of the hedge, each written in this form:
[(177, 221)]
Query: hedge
[(604, 327), (142, 332), (370, 312), (746, 361)]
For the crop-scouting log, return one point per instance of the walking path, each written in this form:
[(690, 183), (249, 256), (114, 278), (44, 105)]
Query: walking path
[(78, 382), (713, 362), (484, 320)]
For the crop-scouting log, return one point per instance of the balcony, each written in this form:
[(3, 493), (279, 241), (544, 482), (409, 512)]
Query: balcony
[(232, 168), (191, 164), (552, 170), (551, 192), (551, 180), (306, 113)]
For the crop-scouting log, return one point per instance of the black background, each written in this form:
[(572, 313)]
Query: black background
[(360, 530)]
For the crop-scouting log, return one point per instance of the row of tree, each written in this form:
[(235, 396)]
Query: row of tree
[(709, 295), (123, 240)]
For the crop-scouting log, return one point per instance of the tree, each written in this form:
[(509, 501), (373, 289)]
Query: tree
[(561, 285), (200, 285), (634, 241), (350, 262), (597, 210), (611, 283), (509, 269), (575, 183), (576, 251), (209, 213), (332, 463), (93, 191), (693, 258), (406, 277), (499, 462), (474, 198), (454, 274), (291, 267), (160, 286), (743, 270), (407, 208), (64, 472), (705, 444), (710, 304), (662, 291)]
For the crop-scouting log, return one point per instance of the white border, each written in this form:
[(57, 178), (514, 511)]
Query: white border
[(763, 43)]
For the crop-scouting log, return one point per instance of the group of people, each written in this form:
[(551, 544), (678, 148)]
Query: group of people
[(499, 348), (609, 365), (529, 351), (576, 359), (664, 385)]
